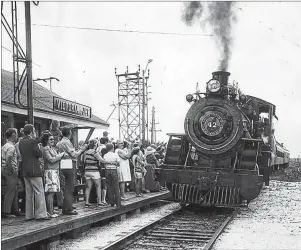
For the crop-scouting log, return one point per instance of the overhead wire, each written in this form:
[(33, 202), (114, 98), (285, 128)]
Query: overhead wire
[(120, 30), (12, 52)]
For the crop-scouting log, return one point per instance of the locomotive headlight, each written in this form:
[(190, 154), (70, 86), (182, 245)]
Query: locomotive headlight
[(189, 98), (213, 86)]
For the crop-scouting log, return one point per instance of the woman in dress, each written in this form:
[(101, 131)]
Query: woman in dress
[(124, 171), (52, 167)]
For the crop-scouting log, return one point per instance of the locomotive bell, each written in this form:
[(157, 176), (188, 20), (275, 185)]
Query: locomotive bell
[(221, 76)]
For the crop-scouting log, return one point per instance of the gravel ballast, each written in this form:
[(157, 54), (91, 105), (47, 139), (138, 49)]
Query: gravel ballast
[(99, 237), (272, 221)]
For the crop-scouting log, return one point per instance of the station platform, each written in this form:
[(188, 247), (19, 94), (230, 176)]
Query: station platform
[(17, 233)]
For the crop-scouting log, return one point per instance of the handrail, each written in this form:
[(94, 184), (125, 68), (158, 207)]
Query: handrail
[(251, 139)]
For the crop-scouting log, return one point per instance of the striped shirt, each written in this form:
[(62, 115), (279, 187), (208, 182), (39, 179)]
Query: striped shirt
[(90, 160)]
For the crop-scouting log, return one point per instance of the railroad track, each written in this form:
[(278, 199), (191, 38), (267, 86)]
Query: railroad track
[(183, 229)]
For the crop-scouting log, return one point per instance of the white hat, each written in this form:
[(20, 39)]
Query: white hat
[(149, 150)]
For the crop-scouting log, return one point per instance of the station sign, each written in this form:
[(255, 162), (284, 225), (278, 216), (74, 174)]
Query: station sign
[(66, 106)]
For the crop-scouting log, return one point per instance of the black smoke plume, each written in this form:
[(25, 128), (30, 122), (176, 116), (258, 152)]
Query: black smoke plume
[(220, 17), (192, 12)]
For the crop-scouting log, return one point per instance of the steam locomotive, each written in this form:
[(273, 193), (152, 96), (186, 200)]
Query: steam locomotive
[(228, 149)]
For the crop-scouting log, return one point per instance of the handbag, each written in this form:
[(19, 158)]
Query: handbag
[(66, 164)]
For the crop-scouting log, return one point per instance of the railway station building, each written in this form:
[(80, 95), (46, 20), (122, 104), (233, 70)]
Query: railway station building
[(48, 106)]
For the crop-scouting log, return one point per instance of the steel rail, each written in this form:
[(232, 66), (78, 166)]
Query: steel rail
[(210, 244), (131, 237), (152, 232)]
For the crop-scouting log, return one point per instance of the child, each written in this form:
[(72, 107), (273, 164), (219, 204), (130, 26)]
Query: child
[(138, 171)]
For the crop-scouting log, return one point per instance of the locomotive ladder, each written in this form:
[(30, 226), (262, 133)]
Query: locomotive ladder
[(249, 155)]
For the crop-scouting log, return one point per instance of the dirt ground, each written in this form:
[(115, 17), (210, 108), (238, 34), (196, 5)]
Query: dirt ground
[(292, 173), (272, 220)]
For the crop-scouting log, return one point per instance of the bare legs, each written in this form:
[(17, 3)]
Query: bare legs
[(98, 189), (89, 183), (122, 189)]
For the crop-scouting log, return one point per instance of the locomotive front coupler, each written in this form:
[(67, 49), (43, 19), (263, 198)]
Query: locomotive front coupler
[(200, 187)]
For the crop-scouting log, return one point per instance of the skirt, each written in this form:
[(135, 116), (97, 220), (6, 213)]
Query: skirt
[(52, 180), (124, 171)]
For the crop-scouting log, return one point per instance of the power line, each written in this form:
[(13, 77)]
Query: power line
[(6, 49), (12, 52), (119, 30)]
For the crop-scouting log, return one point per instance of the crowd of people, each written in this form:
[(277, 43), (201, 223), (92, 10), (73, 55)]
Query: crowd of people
[(48, 166)]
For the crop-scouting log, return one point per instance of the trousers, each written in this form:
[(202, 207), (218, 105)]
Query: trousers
[(113, 187), (49, 202), (10, 202), (68, 190), (35, 198)]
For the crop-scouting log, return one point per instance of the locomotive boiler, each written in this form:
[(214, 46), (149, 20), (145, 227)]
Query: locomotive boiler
[(226, 151)]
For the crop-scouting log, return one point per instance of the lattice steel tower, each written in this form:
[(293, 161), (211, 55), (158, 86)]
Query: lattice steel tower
[(132, 105)]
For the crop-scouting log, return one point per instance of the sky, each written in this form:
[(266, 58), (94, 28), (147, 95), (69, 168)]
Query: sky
[(265, 60)]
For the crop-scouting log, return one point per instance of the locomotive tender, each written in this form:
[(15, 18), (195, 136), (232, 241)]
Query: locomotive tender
[(228, 148)]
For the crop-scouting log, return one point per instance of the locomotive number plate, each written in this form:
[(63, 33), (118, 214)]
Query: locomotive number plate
[(211, 124)]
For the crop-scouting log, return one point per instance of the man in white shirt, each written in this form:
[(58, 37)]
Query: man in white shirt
[(66, 146), (9, 171), (112, 176)]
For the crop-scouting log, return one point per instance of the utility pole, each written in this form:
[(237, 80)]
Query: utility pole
[(29, 62), (147, 114), (143, 108), (153, 128), (144, 97)]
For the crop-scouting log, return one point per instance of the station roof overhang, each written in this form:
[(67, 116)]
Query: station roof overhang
[(43, 103), (80, 123)]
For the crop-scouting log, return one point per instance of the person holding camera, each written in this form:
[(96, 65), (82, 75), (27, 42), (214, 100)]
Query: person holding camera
[(68, 167)]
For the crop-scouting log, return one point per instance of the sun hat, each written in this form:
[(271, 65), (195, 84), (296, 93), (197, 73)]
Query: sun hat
[(149, 151)]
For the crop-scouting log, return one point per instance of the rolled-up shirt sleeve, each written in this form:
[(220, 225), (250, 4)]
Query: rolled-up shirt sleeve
[(72, 152)]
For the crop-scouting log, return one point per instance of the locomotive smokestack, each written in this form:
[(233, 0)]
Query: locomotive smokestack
[(221, 76)]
